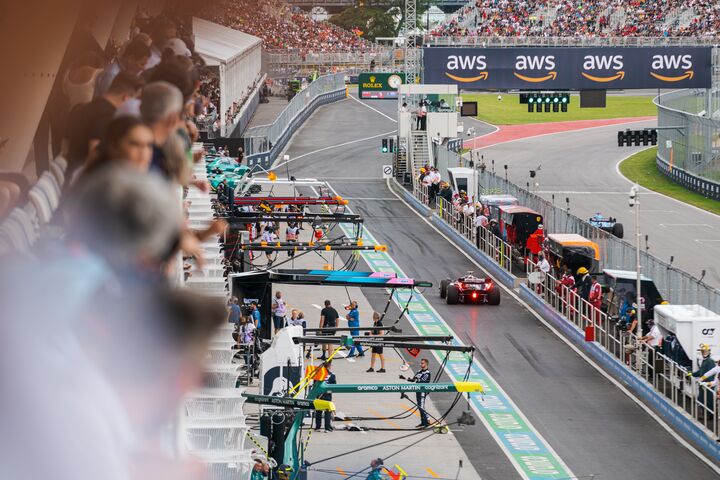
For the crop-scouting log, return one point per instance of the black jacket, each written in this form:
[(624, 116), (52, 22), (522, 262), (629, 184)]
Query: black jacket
[(329, 380)]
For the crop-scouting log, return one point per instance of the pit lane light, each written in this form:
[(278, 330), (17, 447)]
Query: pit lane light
[(385, 148)]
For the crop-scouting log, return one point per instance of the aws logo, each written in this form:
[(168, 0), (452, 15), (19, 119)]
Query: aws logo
[(467, 62), (672, 62), (603, 62), (532, 63)]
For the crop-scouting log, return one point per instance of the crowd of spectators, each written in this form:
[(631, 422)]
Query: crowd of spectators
[(123, 342), (592, 18), (283, 27)]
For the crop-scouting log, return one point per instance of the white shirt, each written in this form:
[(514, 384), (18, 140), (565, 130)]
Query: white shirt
[(544, 265), (655, 339), (481, 221), (268, 237), (291, 233), (279, 310), (435, 177)]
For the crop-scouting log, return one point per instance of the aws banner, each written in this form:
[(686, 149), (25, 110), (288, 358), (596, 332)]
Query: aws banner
[(569, 68)]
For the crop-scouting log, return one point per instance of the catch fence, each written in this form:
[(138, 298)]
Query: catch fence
[(689, 139)]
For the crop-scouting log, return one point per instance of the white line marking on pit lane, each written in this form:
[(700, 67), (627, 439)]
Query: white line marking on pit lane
[(513, 460), (374, 109), (316, 306), (582, 354), (617, 170), (705, 240), (331, 147)]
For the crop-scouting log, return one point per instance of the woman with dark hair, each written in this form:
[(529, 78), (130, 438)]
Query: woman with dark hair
[(127, 140)]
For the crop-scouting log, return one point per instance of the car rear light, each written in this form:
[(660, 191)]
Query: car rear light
[(488, 284), (474, 295)]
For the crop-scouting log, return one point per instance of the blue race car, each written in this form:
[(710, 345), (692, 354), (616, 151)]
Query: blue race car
[(608, 224)]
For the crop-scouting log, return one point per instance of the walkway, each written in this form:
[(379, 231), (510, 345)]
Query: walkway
[(266, 113)]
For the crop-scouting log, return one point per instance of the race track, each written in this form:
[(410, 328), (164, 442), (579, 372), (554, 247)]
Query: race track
[(582, 165), (594, 427)]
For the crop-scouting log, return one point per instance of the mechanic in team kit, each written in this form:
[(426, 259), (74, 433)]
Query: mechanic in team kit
[(353, 319), (423, 376), (326, 415)]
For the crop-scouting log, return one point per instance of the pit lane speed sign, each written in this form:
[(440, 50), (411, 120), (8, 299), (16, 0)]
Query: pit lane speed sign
[(387, 171)]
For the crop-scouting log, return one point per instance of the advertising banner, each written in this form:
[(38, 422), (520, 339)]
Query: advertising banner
[(563, 68), (380, 85)]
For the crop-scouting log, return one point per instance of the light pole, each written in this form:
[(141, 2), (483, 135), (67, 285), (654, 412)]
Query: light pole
[(635, 202)]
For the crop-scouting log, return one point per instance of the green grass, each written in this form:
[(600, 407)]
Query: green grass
[(509, 111), (641, 168)]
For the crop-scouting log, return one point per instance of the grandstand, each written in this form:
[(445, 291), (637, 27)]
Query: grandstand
[(146, 212), (595, 18), (282, 27)]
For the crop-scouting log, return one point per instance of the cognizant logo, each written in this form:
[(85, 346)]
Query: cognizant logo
[(475, 63), (535, 68), (672, 62)]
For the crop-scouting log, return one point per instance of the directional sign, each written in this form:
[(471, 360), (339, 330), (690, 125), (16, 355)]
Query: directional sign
[(387, 171)]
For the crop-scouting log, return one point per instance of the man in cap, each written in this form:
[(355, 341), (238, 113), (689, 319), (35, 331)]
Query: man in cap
[(706, 364), (585, 283), (495, 228), (709, 377), (376, 469)]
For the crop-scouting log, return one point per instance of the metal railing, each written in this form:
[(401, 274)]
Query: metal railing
[(689, 138), (696, 399), (261, 138), (540, 41), (676, 286), (491, 245)]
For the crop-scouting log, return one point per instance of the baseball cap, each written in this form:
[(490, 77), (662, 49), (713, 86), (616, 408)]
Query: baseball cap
[(177, 46)]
